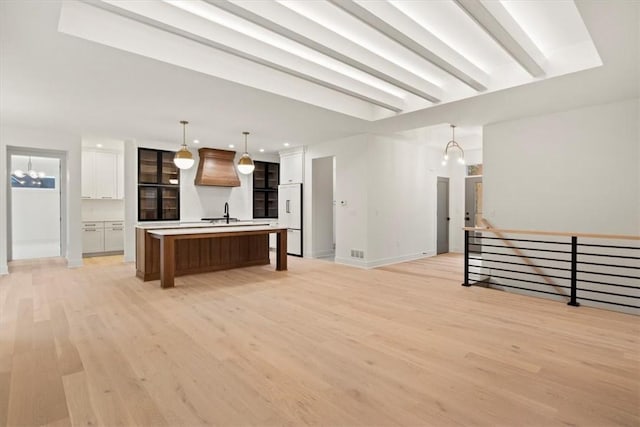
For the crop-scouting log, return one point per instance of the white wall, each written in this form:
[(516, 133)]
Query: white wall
[(351, 188), (575, 171), (322, 205), (401, 205), (102, 210), (35, 212), (45, 140), (388, 185)]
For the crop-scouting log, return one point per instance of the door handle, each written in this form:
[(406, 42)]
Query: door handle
[(287, 208)]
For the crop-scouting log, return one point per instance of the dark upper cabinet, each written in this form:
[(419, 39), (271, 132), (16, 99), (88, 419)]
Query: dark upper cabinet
[(266, 178), (158, 186)]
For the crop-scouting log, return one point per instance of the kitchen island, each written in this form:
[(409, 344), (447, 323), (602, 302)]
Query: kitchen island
[(166, 251)]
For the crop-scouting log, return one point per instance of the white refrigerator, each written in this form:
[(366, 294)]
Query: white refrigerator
[(290, 215)]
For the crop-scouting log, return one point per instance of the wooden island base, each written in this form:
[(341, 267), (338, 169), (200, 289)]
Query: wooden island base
[(164, 254)]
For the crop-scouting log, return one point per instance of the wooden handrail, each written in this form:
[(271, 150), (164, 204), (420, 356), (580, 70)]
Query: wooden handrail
[(525, 259), (553, 233)]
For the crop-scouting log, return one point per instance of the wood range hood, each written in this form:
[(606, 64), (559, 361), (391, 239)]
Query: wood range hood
[(216, 168)]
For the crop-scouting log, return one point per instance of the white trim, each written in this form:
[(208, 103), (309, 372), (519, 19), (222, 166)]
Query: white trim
[(351, 262), (394, 260), (4, 269), (323, 254), (74, 263)]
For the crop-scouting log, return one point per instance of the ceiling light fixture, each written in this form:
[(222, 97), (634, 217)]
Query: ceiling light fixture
[(183, 158), (245, 164), (451, 145), (32, 173)]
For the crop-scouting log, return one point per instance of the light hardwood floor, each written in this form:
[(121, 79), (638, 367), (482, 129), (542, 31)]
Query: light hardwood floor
[(320, 344)]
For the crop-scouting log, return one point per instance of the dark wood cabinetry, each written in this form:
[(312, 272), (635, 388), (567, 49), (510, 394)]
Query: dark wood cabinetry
[(266, 178), (158, 186)]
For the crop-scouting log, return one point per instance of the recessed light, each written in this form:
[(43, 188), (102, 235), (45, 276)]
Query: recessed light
[(286, 144), (196, 141), (99, 145), (231, 146), (262, 150)]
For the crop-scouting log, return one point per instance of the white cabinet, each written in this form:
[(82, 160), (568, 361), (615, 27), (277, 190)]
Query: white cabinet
[(102, 175), (88, 174), (106, 182), (292, 166), (92, 237), (113, 236), (100, 236), (289, 205), (120, 177)]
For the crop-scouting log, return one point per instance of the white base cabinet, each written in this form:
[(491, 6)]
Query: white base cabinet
[(102, 236), (113, 237), (92, 237)]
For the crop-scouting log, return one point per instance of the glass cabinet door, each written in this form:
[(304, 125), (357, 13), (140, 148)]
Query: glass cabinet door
[(170, 173), (147, 166), (259, 175), (259, 202), (273, 176), (148, 203), (170, 203), (272, 204)]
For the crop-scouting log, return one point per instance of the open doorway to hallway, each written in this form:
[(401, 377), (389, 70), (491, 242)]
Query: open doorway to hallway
[(323, 240), (35, 208)]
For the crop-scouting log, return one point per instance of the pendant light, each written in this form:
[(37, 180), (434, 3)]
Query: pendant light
[(245, 164), (33, 174), (451, 145), (183, 158)]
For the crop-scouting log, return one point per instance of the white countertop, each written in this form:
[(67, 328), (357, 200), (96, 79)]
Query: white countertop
[(212, 230), (164, 225)]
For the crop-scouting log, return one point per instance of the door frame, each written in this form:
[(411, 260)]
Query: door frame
[(448, 195), (470, 200), (36, 152)]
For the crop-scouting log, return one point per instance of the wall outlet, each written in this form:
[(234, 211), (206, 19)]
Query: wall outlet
[(356, 253)]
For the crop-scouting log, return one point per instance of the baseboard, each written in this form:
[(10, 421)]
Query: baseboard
[(74, 263), (394, 260), (350, 262), (4, 269), (323, 254)]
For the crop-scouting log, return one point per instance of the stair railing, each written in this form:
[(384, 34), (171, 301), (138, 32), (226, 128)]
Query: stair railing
[(603, 269)]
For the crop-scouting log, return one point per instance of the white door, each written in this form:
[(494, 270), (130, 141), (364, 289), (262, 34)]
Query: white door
[(35, 207), (295, 208), (294, 242), (283, 205)]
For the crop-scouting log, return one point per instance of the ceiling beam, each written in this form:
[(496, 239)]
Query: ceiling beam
[(404, 40), (496, 21), (127, 10), (431, 95)]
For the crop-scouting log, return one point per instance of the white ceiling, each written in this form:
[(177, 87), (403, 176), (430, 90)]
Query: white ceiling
[(153, 78)]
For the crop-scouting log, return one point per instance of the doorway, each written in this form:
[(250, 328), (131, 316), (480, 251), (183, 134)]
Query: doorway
[(442, 245), (473, 209), (323, 208), (35, 210)]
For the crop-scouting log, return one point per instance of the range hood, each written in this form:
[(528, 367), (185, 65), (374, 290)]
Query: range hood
[(216, 168)]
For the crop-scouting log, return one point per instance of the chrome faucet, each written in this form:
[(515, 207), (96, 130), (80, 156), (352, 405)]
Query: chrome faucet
[(226, 211)]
